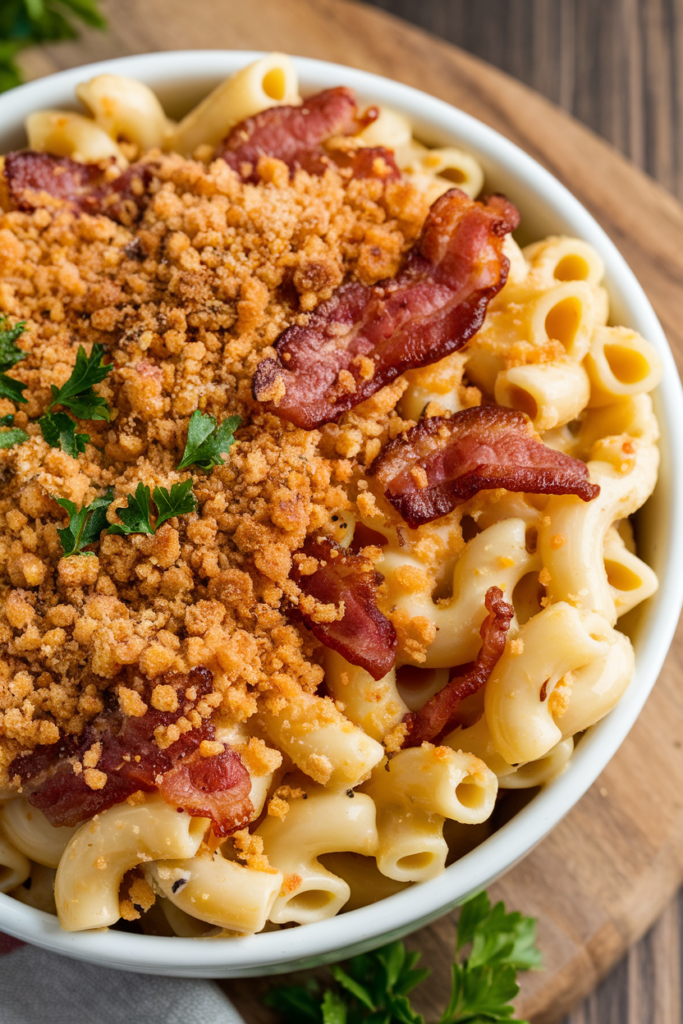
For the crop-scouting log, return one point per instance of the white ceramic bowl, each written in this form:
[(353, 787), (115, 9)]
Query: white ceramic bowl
[(180, 79)]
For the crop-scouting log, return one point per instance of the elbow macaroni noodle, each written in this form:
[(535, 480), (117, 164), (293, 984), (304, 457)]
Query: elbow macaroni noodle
[(359, 825)]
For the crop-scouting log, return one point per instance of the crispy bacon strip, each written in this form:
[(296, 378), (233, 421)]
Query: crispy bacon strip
[(363, 338), (212, 787), (364, 636), (81, 186), (439, 714), (441, 463), (132, 761), (296, 135)]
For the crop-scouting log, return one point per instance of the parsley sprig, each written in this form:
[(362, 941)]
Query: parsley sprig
[(77, 394), (25, 22), (206, 443), (85, 526), (137, 517), (374, 987), (10, 354)]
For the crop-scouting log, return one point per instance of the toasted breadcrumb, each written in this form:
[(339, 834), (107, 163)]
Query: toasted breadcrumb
[(186, 304)]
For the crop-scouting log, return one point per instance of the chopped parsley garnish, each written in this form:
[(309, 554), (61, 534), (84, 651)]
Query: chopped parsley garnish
[(136, 518), (9, 355), (85, 526), (374, 986), (8, 420), (59, 430), (206, 442), (9, 352), (77, 394), (8, 438)]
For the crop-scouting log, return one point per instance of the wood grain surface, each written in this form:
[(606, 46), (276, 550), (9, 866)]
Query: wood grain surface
[(611, 868)]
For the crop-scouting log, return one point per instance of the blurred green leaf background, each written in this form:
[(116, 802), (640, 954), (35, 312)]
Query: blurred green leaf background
[(29, 22)]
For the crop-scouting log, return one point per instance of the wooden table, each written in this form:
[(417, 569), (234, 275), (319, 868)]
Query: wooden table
[(612, 63)]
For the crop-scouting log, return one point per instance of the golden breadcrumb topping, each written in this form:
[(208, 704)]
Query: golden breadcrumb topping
[(186, 303)]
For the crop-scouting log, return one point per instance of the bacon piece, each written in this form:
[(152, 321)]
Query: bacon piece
[(364, 636), (363, 338), (295, 135), (369, 162), (442, 462), (81, 186), (29, 173), (439, 714), (212, 787), (131, 760)]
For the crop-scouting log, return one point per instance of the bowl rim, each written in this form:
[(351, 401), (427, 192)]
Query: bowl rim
[(324, 941)]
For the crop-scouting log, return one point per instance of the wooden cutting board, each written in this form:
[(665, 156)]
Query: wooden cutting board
[(604, 875)]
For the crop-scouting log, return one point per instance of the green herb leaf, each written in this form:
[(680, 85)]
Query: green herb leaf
[(85, 526), (9, 352), (135, 518), (334, 1008), (77, 393), (205, 444), (8, 420), (12, 389), (59, 430), (177, 502), (8, 438), (301, 1002), (373, 988)]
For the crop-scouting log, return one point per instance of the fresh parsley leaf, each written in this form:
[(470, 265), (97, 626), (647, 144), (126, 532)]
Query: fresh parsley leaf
[(205, 444), (12, 389), (9, 352), (8, 420), (373, 987), (25, 22), (135, 518), (85, 526), (334, 1008), (59, 430), (301, 1002), (77, 393), (8, 438), (177, 502)]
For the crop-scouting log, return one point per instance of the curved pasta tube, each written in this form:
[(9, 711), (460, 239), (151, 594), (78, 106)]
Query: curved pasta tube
[(38, 890), (30, 831), (321, 741), (113, 842), (621, 363), (125, 108), (545, 769), (374, 705), (633, 416), (63, 133), (551, 394), (14, 865), (365, 880), (571, 537), (497, 557), (218, 891), (476, 739), (391, 130), (439, 382), (567, 313), (325, 822), (630, 580), (593, 690), (181, 924), (269, 82), (439, 169), (518, 698), (560, 258), (414, 794)]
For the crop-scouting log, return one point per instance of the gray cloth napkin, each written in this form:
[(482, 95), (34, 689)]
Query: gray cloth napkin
[(36, 986)]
